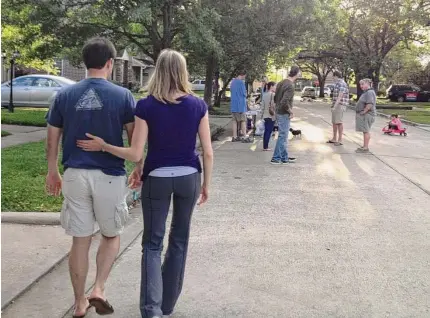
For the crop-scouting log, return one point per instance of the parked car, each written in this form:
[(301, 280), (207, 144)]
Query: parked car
[(309, 92), (33, 90), (407, 92), (313, 92), (330, 87), (198, 85)]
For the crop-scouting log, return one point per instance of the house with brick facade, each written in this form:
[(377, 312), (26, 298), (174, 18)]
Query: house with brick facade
[(128, 70)]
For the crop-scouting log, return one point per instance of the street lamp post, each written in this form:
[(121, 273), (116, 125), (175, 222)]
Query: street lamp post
[(14, 56), (3, 68)]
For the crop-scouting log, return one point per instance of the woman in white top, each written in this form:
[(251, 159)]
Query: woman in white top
[(268, 113)]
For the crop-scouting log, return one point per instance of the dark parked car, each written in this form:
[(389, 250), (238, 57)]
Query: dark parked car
[(407, 92)]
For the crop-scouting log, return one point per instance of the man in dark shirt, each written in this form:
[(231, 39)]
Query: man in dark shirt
[(284, 97), (94, 184)]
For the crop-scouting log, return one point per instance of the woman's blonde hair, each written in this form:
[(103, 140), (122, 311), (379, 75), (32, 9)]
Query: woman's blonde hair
[(170, 77)]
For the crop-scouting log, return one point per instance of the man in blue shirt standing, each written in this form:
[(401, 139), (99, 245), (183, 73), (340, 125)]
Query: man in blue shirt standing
[(238, 106), (94, 184)]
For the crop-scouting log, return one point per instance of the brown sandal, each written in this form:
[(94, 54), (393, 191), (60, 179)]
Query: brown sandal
[(102, 306)]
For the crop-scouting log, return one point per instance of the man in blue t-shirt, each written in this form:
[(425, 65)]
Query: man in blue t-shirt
[(94, 184), (238, 106)]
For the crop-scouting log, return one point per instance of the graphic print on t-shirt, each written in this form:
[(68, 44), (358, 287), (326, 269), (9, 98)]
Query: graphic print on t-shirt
[(89, 101)]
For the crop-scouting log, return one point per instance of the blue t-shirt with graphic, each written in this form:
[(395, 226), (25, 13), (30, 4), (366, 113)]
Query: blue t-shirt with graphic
[(94, 106)]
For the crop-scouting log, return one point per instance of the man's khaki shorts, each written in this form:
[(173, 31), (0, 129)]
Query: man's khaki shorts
[(239, 117), (91, 196), (337, 115)]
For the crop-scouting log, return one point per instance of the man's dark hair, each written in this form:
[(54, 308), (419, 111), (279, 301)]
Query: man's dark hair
[(242, 73), (294, 71), (97, 51), (269, 85), (337, 74)]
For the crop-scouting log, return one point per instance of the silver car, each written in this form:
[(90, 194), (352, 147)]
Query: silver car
[(33, 90)]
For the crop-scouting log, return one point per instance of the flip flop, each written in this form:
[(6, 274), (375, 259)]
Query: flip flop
[(247, 140), (82, 316), (330, 142), (102, 306), (338, 144)]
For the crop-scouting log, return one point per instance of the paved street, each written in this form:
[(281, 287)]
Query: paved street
[(337, 234)]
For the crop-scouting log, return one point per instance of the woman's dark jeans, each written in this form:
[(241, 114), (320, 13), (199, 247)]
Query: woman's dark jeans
[(268, 128), (161, 285)]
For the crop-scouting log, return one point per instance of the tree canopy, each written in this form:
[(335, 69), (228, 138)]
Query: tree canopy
[(220, 37)]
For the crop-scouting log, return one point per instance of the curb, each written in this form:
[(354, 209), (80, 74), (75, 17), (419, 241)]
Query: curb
[(35, 218), (50, 218), (127, 238)]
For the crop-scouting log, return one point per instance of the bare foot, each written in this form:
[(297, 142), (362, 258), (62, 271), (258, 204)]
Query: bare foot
[(97, 293), (81, 307)]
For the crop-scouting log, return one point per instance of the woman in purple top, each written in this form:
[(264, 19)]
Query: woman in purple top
[(169, 119)]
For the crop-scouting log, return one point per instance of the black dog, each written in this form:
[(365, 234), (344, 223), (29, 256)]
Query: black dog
[(297, 132)]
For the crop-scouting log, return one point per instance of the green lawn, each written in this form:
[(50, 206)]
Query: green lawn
[(411, 104), (416, 116), (25, 117), (23, 179), (138, 96), (223, 110), (23, 175), (5, 133)]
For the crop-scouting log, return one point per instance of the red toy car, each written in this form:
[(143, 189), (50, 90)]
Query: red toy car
[(389, 131)]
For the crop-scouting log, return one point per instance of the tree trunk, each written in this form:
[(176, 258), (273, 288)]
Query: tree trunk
[(216, 86), (210, 67), (248, 84), (221, 93), (167, 25), (376, 79), (358, 78), (165, 41), (321, 82), (371, 72)]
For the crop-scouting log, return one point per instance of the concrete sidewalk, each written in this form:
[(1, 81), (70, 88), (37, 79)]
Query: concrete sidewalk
[(35, 271), (28, 252), (22, 135), (337, 234), (33, 244)]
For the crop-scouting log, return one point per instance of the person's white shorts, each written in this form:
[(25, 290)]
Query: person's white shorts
[(91, 196)]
